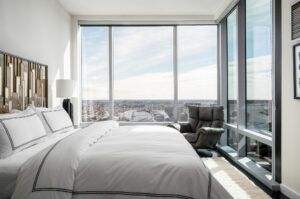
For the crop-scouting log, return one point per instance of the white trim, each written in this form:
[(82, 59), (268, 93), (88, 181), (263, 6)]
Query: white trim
[(225, 9), (76, 68), (256, 136), (230, 126), (289, 192), (266, 139), (145, 19), (294, 2)]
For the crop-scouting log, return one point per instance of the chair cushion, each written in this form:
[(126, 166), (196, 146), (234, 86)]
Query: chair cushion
[(217, 124), (206, 113), (218, 117), (193, 117), (193, 112), (218, 113), (191, 137), (204, 124)]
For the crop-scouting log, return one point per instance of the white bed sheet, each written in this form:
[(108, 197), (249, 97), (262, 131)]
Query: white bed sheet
[(9, 167)]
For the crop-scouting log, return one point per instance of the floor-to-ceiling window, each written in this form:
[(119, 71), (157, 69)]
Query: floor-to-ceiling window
[(197, 67), (259, 78), (155, 71), (94, 72), (143, 73), (247, 43), (232, 78)]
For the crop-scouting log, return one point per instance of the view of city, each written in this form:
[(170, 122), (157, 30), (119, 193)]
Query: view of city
[(259, 114), (139, 110)]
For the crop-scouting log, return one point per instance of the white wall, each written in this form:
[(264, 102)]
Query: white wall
[(39, 30), (290, 111)]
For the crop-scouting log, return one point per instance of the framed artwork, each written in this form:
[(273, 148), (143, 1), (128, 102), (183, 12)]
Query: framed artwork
[(297, 71), (22, 82), (295, 20)]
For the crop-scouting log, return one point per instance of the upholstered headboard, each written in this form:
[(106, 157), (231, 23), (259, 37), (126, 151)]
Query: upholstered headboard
[(22, 82)]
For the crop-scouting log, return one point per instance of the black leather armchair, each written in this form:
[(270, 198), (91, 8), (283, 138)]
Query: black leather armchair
[(204, 128)]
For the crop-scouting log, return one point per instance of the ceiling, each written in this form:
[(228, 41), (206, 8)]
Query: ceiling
[(145, 7)]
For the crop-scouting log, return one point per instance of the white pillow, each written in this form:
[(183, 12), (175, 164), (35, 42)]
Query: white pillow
[(56, 119), (19, 131), (38, 110)]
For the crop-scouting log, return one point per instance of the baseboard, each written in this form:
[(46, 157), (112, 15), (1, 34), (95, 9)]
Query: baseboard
[(289, 192)]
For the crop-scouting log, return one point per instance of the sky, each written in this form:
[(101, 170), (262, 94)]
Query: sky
[(143, 60), (258, 50)]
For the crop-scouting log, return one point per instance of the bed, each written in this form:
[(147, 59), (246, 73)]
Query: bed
[(9, 167), (108, 161)]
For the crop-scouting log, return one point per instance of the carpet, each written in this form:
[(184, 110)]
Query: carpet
[(234, 181)]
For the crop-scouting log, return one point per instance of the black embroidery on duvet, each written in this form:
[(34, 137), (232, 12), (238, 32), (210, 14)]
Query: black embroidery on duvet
[(128, 193)]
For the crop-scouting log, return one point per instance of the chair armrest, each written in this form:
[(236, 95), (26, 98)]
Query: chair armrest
[(183, 128), (175, 126), (210, 130)]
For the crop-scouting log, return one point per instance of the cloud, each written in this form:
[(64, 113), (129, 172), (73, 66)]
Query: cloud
[(197, 84), (259, 79)]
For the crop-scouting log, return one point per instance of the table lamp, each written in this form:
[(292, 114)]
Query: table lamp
[(65, 89)]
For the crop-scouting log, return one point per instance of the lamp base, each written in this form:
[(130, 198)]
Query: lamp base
[(68, 106)]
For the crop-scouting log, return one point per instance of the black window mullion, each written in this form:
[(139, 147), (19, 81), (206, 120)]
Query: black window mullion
[(241, 48)]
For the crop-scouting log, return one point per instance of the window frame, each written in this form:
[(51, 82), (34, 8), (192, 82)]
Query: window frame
[(175, 67), (274, 139)]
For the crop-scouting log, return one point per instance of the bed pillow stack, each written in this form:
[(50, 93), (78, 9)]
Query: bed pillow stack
[(19, 131)]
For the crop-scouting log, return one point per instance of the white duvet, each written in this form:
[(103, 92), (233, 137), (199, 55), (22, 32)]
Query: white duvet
[(105, 161)]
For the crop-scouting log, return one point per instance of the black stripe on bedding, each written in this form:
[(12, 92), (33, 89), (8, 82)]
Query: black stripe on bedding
[(155, 195), (209, 185)]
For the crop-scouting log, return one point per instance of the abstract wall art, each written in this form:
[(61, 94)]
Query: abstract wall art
[(22, 82)]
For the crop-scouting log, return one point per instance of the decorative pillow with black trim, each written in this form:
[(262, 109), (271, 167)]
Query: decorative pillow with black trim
[(19, 131), (55, 120)]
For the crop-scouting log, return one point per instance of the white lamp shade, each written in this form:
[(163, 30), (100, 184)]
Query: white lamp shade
[(65, 88)]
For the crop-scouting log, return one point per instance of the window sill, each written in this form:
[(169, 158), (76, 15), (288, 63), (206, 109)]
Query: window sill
[(266, 139), (251, 167), (261, 137), (143, 123)]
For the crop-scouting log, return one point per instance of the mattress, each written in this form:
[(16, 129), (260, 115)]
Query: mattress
[(9, 167)]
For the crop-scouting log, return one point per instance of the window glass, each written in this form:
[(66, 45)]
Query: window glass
[(260, 153), (232, 139), (143, 74), (259, 65), (94, 73), (232, 76), (197, 67)]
